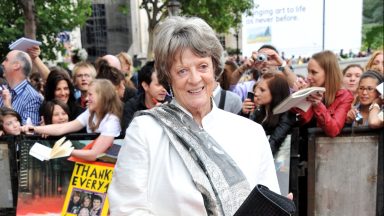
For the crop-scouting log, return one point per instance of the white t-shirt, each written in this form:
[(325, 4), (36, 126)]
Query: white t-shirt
[(109, 126), (150, 178)]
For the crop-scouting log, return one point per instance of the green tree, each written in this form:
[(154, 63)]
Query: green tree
[(373, 24), (220, 14), (40, 19)]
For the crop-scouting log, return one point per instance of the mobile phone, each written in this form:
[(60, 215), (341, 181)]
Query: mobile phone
[(250, 95)]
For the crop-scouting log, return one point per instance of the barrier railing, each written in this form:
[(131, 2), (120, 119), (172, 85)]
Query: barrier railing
[(345, 173)]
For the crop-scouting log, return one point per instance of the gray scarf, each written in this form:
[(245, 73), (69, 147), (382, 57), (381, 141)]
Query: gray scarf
[(215, 174)]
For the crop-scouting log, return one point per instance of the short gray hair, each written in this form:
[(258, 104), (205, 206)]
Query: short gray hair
[(177, 34), (25, 61)]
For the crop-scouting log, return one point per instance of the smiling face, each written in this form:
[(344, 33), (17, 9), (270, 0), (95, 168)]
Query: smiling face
[(59, 115), (378, 63), (62, 91), (11, 125), (193, 81), (367, 91), (92, 99), (351, 78), (316, 74), (263, 94)]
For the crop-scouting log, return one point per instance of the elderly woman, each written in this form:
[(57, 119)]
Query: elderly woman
[(188, 157)]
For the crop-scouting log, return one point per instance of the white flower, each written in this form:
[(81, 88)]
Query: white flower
[(82, 54)]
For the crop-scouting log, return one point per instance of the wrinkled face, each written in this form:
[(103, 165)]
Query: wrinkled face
[(263, 94), (270, 65), (9, 64), (154, 89), (59, 115), (82, 79), (62, 91), (11, 125), (351, 78), (316, 74), (193, 81), (367, 91), (92, 99)]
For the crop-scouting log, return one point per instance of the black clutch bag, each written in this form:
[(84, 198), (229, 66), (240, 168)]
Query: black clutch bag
[(263, 201)]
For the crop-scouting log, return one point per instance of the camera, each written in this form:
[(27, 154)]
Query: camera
[(359, 118), (261, 58)]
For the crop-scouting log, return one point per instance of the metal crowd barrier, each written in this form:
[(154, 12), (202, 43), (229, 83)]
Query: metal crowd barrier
[(15, 168), (345, 174)]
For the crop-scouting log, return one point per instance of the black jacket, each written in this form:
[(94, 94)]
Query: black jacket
[(134, 104), (287, 120)]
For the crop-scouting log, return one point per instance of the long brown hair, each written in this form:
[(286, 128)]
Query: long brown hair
[(279, 89), (108, 100), (328, 61)]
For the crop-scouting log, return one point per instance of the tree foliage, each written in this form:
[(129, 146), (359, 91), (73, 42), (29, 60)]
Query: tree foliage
[(373, 24), (52, 17), (221, 15)]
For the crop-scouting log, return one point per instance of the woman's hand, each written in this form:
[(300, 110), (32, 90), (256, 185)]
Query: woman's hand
[(290, 196), (248, 106), (7, 97), (34, 52), (28, 129), (300, 84), (315, 98), (351, 115)]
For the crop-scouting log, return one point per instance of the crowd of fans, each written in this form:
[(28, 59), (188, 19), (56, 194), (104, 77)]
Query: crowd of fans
[(32, 91), (102, 97)]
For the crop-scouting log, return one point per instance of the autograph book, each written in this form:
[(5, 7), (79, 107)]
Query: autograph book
[(23, 44), (297, 99)]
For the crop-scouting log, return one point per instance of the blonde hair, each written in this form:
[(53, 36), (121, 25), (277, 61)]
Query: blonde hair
[(370, 65), (83, 64), (328, 61), (108, 100), (125, 57)]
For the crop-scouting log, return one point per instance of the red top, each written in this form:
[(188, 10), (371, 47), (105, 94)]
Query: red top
[(331, 119)]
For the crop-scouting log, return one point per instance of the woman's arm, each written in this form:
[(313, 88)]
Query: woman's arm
[(34, 53), (332, 119), (55, 129), (374, 120), (102, 143), (128, 192), (286, 122)]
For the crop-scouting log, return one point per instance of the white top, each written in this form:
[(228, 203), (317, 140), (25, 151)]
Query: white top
[(109, 126), (150, 178)]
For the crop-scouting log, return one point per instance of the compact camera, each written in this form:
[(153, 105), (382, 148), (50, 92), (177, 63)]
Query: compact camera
[(261, 58), (359, 118)]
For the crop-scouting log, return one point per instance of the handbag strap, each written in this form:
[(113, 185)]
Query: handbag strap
[(222, 99)]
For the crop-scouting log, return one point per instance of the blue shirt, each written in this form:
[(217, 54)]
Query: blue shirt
[(26, 101)]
